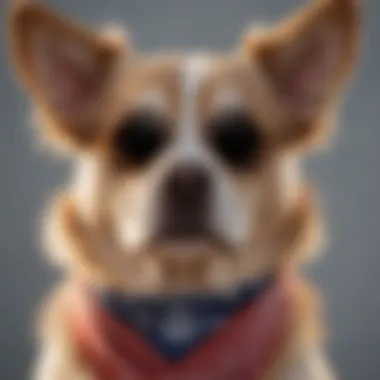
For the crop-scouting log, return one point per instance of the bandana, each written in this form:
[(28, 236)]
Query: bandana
[(175, 325), (244, 346)]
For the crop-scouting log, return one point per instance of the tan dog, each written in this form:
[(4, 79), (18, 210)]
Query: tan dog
[(186, 166)]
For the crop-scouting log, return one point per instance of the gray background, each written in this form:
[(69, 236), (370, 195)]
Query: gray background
[(347, 176)]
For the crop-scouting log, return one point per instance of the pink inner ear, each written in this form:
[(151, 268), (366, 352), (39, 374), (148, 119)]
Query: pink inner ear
[(306, 80), (69, 80)]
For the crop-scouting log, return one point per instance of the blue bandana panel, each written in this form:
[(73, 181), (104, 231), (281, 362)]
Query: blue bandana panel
[(174, 325)]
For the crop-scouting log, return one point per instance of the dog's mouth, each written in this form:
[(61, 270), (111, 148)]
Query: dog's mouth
[(190, 238), (194, 244)]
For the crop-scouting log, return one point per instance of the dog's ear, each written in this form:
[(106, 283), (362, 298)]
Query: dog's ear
[(66, 70), (306, 60)]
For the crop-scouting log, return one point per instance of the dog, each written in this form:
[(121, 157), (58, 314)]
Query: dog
[(183, 229)]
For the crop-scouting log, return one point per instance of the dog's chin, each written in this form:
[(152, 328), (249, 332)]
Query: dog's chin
[(176, 264)]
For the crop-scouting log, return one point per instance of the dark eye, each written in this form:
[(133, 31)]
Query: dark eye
[(235, 138), (141, 137)]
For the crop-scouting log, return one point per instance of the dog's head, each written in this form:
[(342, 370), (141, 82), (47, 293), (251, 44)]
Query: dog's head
[(185, 165)]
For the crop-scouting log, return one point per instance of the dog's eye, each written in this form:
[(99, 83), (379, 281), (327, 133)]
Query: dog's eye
[(141, 136), (235, 138)]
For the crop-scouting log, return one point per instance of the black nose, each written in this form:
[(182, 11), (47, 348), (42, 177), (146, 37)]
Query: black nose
[(186, 198), (188, 185)]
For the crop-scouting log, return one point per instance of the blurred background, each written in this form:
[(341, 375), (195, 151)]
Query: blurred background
[(347, 177)]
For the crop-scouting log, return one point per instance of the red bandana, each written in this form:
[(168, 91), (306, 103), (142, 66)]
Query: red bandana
[(244, 349)]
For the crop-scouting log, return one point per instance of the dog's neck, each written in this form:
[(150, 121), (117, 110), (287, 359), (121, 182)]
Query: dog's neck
[(175, 324)]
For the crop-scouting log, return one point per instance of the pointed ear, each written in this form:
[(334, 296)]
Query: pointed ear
[(307, 60), (64, 68)]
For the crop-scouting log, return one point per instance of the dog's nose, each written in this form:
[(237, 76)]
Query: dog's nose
[(186, 198), (188, 184)]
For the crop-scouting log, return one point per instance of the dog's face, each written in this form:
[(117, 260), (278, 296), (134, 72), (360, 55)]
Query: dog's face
[(185, 165)]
